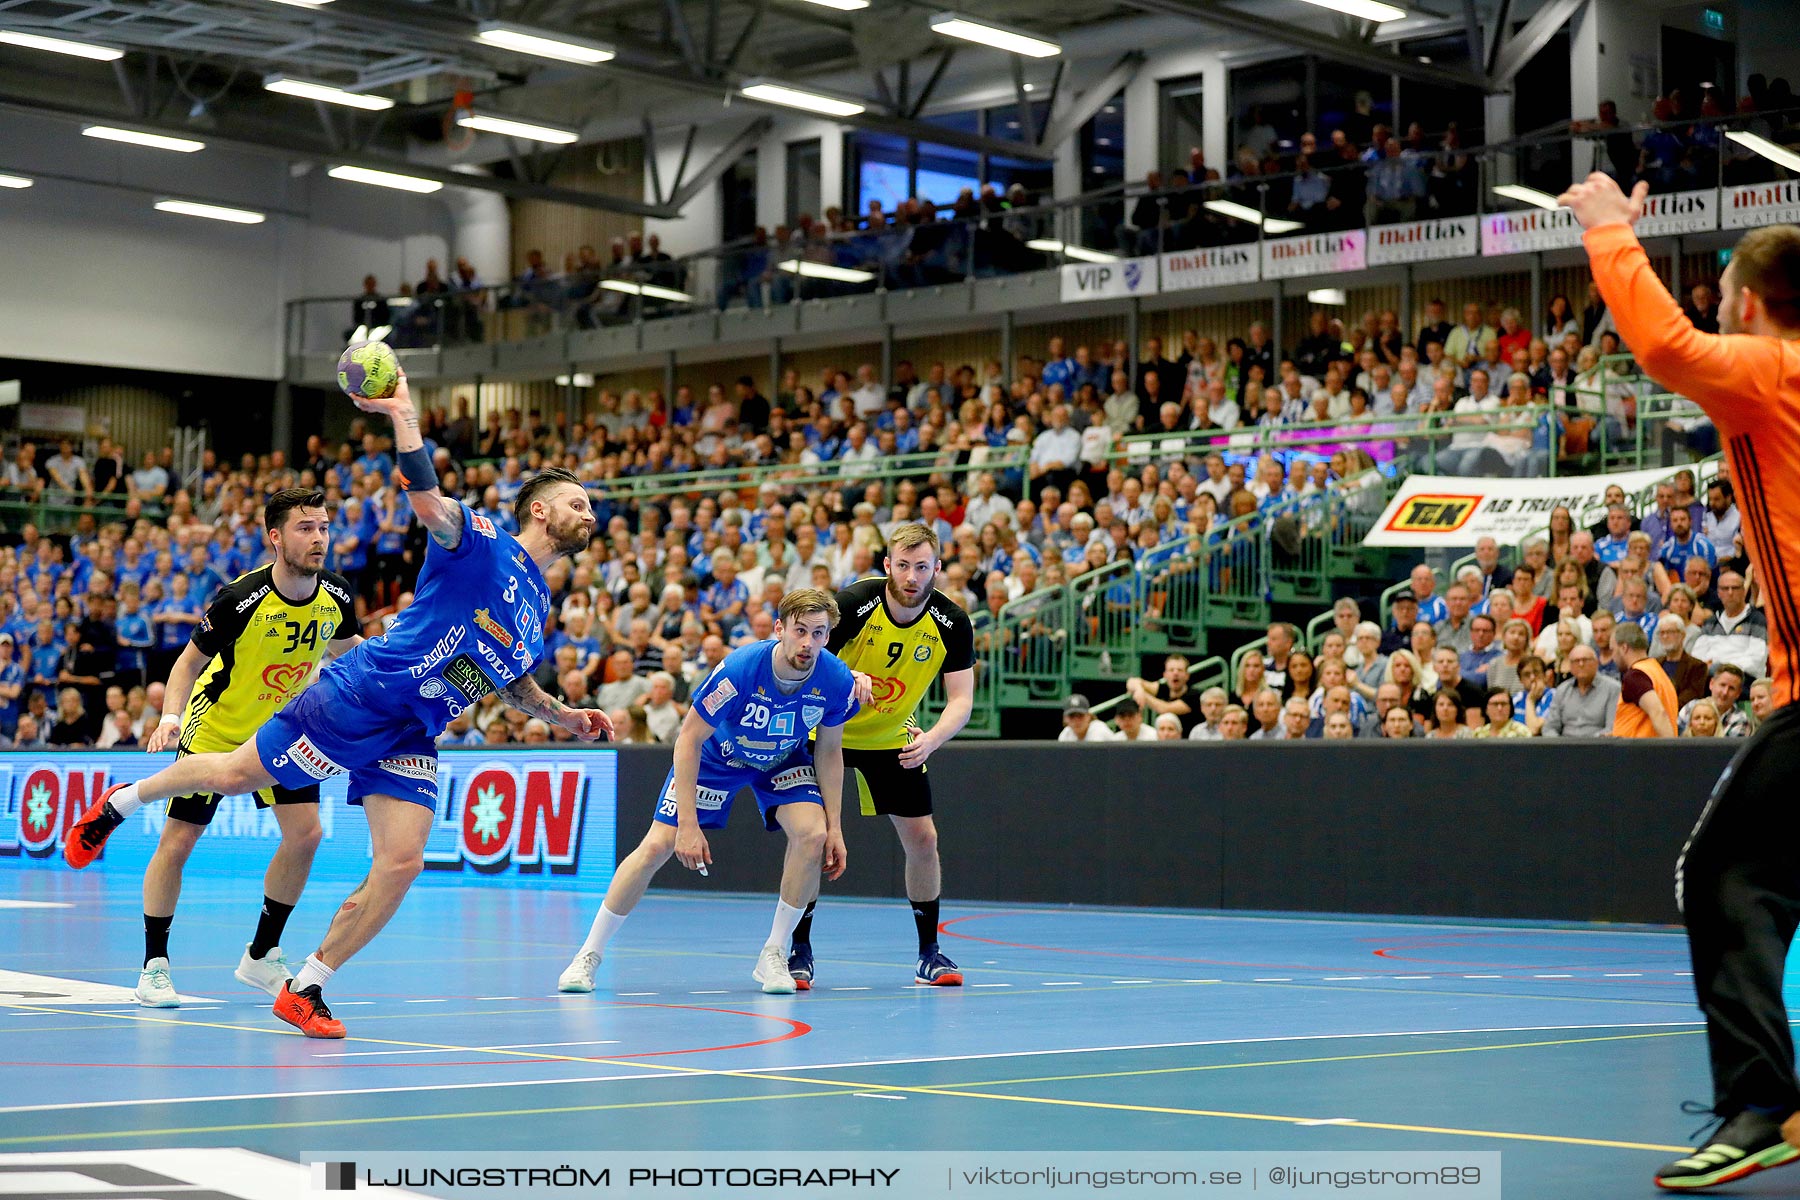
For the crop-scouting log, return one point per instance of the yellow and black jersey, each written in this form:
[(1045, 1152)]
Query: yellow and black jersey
[(902, 660), (264, 648)]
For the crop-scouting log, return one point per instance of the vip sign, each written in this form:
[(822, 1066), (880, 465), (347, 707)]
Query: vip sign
[(1109, 281)]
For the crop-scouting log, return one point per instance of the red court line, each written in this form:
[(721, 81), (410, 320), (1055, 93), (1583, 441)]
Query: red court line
[(1448, 941), (796, 1029)]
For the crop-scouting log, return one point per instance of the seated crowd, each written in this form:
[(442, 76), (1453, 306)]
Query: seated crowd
[(1528, 651), (1025, 480)]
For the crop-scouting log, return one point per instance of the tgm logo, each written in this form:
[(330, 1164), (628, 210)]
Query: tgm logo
[(1434, 514)]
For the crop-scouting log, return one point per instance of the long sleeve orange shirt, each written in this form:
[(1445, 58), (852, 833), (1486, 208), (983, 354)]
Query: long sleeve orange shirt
[(1750, 387)]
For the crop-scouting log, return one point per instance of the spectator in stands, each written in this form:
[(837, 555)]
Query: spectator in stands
[(1128, 716), (1446, 720), (1647, 705), (1296, 719), (1687, 673), (369, 310), (1372, 668), (1722, 521), (73, 726), (1483, 648), (1532, 700), (1079, 724), (1301, 677), (1499, 711), (1170, 694), (149, 483), (1448, 666), (1281, 639), (1494, 573), (1213, 703), (1503, 671), (1168, 728), (1722, 695), (1252, 677), (1265, 716), (1737, 633), (1703, 720), (1454, 630)]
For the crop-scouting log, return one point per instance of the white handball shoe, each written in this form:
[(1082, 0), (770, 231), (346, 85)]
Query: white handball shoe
[(578, 976), (772, 971), (267, 973), (154, 988)]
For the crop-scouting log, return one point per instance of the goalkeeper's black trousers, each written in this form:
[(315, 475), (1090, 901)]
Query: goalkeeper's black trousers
[(1738, 886)]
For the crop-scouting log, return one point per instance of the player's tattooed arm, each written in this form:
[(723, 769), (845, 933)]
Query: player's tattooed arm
[(441, 515), (588, 724)]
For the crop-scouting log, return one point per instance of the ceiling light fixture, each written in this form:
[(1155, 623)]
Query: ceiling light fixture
[(522, 40), (212, 212), (1526, 195), (520, 129), (1368, 10), (807, 101), (646, 289), (813, 270), (37, 41), (1052, 246), (1766, 148), (308, 90), (986, 33), (156, 141), (14, 181), (386, 179), (1244, 212)]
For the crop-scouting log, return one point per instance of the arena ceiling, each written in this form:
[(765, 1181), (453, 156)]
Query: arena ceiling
[(200, 66)]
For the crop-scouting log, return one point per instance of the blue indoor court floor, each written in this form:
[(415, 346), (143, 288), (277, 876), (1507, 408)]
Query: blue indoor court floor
[(1569, 1049)]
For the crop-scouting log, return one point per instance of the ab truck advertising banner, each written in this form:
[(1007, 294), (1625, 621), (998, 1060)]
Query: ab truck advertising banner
[(1452, 511), (502, 817)]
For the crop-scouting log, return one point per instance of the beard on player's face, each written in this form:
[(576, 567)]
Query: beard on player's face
[(568, 531), (304, 559)]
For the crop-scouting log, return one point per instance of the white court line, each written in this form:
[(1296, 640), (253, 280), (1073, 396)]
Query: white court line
[(876, 1096), (1409, 977), (761, 1072), (1330, 1121), (34, 904), (460, 1049), (1484, 977), (349, 1003), (713, 992), (1203, 981)]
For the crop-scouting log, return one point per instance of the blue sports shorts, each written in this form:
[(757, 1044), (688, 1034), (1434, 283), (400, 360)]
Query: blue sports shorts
[(792, 783), (326, 731)]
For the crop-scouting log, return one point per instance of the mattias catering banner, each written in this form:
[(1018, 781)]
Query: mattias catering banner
[(511, 817), (1448, 511)]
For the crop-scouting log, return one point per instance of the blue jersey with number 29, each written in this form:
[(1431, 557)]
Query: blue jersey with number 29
[(755, 724)]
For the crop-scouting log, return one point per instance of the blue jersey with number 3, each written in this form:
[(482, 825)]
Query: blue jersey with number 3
[(758, 726), (476, 624)]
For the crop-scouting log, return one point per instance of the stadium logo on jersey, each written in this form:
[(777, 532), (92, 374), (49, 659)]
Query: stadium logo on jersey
[(286, 678), (249, 602), (310, 759), (445, 645), (922, 654), (493, 628), (1427, 513), (412, 766), (792, 778), (335, 590), (717, 698), (481, 525), (465, 676), (811, 715), (940, 617), (868, 607)]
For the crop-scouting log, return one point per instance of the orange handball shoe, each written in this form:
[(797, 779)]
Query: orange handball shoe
[(305, 1010), (82, 844)]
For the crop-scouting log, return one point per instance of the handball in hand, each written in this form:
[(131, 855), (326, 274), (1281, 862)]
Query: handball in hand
[(368, 371)]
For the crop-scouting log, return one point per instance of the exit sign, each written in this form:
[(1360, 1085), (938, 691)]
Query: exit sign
[(1715, 20)]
